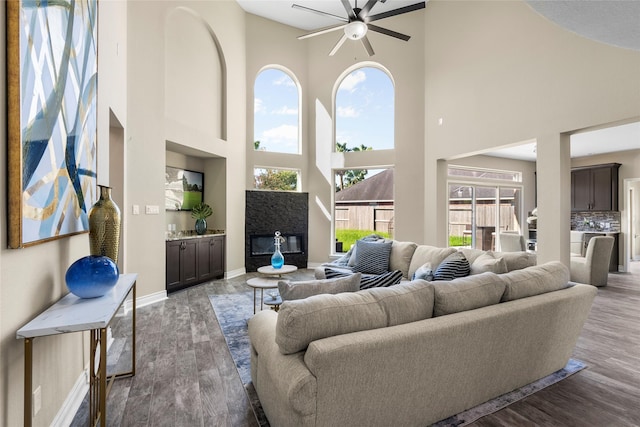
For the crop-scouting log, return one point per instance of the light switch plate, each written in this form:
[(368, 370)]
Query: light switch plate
[(152, 209)]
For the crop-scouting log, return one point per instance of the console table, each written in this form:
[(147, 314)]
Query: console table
[(74, 314)]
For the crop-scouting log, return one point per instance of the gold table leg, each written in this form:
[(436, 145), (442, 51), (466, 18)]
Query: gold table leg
[(28, 380)]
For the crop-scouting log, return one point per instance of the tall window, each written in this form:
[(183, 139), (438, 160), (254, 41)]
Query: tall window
[(364, 118), (365, 110), (276, 106)]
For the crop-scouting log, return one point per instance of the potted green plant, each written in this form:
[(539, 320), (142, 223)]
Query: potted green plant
[(201, 212)]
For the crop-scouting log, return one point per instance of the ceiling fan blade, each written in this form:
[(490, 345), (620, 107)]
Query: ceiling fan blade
[(366, 9), (395, 12), (367, 46), (322, 31), (388, 32), (350, 13), (319, 12), (337, 46)]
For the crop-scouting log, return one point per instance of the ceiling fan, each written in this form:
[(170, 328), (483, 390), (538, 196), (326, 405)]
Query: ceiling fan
[(358, 22)]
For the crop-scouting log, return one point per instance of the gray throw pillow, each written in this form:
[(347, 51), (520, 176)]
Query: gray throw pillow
[(300, 290), (372, 258)]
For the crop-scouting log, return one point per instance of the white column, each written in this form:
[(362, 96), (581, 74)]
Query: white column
[(554, 197)]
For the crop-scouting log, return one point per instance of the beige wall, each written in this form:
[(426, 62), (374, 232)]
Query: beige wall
[(497, 73)]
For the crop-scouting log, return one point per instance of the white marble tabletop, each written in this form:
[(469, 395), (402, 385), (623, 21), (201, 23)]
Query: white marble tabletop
[(267, 269), (74, 314)]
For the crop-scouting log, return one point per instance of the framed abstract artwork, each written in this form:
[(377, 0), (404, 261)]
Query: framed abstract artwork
[(52, 72)]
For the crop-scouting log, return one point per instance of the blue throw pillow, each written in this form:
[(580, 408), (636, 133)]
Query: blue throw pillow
[(424, 272), (372, 258), (454, 266)]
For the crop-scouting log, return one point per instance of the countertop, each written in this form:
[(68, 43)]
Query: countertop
[(191, 234), (597, 231)]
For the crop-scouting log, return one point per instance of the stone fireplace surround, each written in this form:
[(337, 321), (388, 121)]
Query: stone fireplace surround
[(269, 211)]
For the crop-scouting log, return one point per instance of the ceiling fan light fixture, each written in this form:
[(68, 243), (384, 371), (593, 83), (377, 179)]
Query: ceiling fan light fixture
[(356, 30)]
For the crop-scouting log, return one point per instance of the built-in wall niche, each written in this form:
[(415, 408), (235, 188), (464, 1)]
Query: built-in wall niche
[(212, 170)]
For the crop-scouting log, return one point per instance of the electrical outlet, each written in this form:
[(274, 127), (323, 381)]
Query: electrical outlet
[(152, 210), (136, 209), (37, 400)]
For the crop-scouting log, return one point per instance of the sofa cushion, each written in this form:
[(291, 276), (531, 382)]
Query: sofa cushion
[(467, 293), (452, 267), (488, 262), (406, 302), (431, 254), (400, 259), (424, 272), (535, 280), (303, 321), (372, 257), (517, 260), (298, 290)]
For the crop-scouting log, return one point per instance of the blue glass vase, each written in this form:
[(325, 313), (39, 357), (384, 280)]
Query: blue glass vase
[(92, 276), (277, 260), (201, 226)]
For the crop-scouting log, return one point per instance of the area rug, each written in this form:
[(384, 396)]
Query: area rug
[(233, 311)]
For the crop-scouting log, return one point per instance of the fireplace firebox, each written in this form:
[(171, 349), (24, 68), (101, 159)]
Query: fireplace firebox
[(271, 211)]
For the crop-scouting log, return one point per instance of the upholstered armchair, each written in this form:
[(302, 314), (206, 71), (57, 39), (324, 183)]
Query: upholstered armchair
[(511, 242), (593, 267)]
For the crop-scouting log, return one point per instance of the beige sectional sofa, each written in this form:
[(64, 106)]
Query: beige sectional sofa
[(414, 353)]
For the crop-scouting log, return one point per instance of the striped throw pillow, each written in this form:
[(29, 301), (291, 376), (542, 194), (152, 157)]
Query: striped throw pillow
[(453, 266), (380, 281), (372, 258)]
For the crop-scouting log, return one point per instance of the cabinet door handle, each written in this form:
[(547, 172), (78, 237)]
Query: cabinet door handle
[(212, 243)]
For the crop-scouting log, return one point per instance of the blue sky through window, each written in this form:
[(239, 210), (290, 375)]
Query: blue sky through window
[(276, 112), (365, 109)]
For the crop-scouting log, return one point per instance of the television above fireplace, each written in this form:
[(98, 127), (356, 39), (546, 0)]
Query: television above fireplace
[(183, 189)]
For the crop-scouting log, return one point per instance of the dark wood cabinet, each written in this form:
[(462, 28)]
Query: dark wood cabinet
[(595, 188), (193, 261), (210, 258)]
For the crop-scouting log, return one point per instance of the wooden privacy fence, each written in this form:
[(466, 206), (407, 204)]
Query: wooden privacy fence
[(461, 218), (359, 217)]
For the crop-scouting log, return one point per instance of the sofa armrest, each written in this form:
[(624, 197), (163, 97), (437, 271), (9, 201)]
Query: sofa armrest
[(283, 382)]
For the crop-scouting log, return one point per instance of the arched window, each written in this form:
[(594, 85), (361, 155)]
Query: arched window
[(364, 113), (276, 112), (363, 202)]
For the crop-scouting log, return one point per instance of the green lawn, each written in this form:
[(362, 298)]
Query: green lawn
[(349, 237), (190, 199)]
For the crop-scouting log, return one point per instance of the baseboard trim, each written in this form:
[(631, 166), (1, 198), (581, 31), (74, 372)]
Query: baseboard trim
[(235, 273), (72, 403), (312, 265), (145, 300)]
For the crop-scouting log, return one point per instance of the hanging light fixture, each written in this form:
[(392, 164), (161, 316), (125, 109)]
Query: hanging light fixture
[(356, 30)]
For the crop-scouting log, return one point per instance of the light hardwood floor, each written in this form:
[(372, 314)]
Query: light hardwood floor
[(186, 377)]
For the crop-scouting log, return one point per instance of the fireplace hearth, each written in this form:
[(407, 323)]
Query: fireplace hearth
[(271, 211)]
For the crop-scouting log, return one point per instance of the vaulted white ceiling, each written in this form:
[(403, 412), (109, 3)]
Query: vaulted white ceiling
[(614, 22)]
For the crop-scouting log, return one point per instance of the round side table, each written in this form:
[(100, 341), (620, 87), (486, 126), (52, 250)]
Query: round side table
[(268, 281)]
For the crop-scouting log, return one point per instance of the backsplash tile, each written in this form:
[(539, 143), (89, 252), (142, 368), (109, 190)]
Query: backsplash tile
[(596, 221)]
